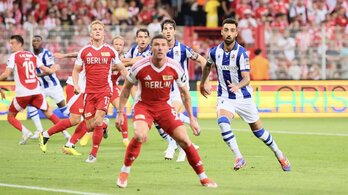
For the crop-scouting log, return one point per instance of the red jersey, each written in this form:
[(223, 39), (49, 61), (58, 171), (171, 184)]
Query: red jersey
[(114, 77), (97, 63), (24, 64), (154, 84)]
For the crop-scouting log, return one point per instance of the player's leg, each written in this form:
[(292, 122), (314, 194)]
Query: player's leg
[(226, 112), (34, 115), (142, 126), (18, 104), (115, 100), (80, 131), (267, 138)]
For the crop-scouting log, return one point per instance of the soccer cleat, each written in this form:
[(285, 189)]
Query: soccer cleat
[(239, 163), (70, 151), (66, 134), (208, 183), (122, 180), (125, 142), (43, 146), (25, 138), (91, 159), (284, 163), (106, 130), (36, 135), (169, 153), (85, 138), (181, 155)]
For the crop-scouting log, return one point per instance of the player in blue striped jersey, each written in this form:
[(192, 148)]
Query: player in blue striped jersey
[(235, 94), (50, 86), (180, 53)]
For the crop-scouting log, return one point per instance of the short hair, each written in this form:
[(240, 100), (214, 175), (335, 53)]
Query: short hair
[(38, 36), (168, 21), (158, 36), (117, 37), (230, 21), (257, 51), (95, 22), (142, 30), (18, 38)]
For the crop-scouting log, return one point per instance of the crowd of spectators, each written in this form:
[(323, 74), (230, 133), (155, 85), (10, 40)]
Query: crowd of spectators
[(299, 35)]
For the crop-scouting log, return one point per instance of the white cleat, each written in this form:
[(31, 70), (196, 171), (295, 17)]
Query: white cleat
[(169, 155), (181, 155), (36, 135), (66, 134), (91, 159), (25, 138)]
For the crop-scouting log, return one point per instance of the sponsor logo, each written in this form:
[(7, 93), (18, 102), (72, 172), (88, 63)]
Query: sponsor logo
[(89, 54), (167, 77), (105, 53), (80, 110), (176, 53), (88, 114), (157, 84), (147, 78), (233, 56)]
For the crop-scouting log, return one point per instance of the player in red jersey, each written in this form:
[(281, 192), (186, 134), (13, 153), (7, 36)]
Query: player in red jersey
[(97, 60), (155, 76), (24, 64)]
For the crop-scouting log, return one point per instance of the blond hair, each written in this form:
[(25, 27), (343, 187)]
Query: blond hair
[(94, 23), (118, 37)]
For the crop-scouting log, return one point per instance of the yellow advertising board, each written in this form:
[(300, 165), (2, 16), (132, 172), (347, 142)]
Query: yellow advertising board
[(290, 99), (9, 90)]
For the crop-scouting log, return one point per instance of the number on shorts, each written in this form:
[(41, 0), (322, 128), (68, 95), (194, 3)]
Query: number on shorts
[(175, 114), (106, 101)]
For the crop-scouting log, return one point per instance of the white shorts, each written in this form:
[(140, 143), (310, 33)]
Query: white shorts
[(55, 93), (245, 108), (175, 95)]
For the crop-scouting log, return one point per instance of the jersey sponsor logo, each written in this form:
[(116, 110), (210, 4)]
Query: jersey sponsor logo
[(105, 54), (233, 56), (139, 116), (80, 110), (227, 67), (96, 60), (147, 78), (167, 77), (89, 54), (157, 84), (88, 114)]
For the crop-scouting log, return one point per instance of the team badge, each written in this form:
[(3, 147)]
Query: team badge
[(176, 53), (167, 77), (105, 54), (233, 56)]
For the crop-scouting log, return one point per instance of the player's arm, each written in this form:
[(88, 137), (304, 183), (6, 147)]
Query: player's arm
[(126, 90), (50, 70), (245, 73), (5, 74), (3, 96), (65, 55), (204, 86), (75, 77)]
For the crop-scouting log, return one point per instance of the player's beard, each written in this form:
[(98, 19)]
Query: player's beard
[(229, 41)]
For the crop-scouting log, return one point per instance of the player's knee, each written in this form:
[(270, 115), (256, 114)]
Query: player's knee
[(223, 119), (140, 137), (74, 120)]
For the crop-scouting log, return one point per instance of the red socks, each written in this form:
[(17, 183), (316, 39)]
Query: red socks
[(194, 159), (60, 126), (80, 130), (54, 118), (132, 152), (96, 138), (124, 127), (14, 122)]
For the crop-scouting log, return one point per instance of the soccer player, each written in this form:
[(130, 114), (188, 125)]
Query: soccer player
[(97, 59), (155, 76), (180, 53), (235, 93), (50, 86), (23, 64)]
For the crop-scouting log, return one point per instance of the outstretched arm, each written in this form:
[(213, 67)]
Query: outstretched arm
[(205, 87), (5, 74)]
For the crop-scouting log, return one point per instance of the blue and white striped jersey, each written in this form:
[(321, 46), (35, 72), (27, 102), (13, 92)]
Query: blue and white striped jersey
[(48, 60), (229, 66), (134, 52)]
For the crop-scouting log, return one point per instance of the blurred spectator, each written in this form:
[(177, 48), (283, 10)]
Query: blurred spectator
[(287, 44), (121, 12), (246, 27), (314, 72), (295, 70), (299, 12), (228, 9), (211, 8), (187, 12), (154, 27), (282, 69), (259, 66), (133, 11), (51, 21), (319, 11)]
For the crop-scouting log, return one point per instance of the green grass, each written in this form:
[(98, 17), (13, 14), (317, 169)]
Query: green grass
[(319, 163)]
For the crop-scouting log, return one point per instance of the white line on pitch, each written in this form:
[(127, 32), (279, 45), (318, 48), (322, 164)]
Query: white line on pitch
[(48, 189), (291, 132)]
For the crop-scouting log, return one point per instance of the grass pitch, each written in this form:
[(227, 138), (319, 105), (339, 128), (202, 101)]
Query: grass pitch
[(316, 148)]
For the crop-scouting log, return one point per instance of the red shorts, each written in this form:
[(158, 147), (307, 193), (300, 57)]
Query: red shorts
[(74, 102), (165, 116), (94, 102), (20, 103), (116, 92)]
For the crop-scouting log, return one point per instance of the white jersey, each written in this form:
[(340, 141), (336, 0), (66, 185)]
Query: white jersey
[(82, 81), (134, 52), (23, 64), (229, 66), (47, 59)]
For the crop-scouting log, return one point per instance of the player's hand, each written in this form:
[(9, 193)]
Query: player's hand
[(77, 89), (205, 89), (195, 127), (54, 68), (58, 55), (233, 88), (3, 96), (119, 121)]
